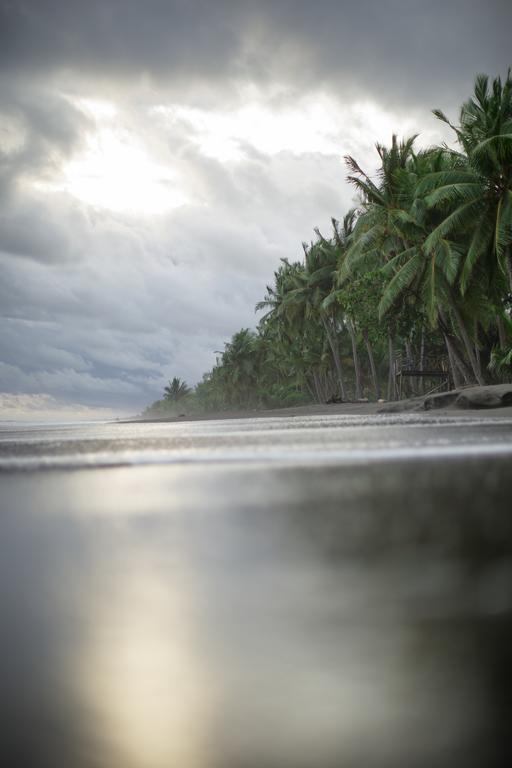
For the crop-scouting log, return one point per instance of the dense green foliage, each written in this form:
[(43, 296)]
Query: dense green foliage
[(423, 267)]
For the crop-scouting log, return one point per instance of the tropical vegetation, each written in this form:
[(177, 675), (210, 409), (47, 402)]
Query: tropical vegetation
[(421, 269)]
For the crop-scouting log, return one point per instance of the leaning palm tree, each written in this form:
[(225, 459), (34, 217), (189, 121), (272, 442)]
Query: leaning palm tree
[(428, 273), (334, 304), (376, 237), (476, 195), (393, 232), (379, 234)]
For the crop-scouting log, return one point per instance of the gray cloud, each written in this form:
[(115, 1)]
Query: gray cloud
[(102, 307), (413, 50), (39, 130)]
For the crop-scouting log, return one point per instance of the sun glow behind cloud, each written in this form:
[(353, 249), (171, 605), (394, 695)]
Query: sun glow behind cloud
[(115, 170), (316, 124), (118, 168)]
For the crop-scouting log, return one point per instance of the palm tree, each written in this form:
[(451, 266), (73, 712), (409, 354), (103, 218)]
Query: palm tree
[(176, 390), (296, 301), (241, 363), (379, 234), (376, 237), (412, 263), (293, 338), (476, 195), (320, 262), (335, 303)]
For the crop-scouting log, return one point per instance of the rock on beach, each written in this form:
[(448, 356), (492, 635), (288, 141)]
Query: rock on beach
[(469, 398)]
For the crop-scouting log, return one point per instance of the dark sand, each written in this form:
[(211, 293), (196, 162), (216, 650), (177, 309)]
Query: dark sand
[(292, 592), (341, 409)]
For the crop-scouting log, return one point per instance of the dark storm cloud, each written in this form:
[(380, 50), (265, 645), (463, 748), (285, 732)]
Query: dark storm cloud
[(44, 126), (120, 35), (39, 130), (398, 49)]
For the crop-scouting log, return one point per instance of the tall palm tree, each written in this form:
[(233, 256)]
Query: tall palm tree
[(379, 232), (476, 195), (412, 262), (376, 237), (335, 303), (429, 268), (313, 285), (241, 363), (293, 328)]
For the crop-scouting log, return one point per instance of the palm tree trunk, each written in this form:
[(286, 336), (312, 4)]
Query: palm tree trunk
[(422, 358), (508, 265), (410, 362), (326, 389), (371, 360), (453, 365), (502, 334), (391, 371), (457, 358), (318, 391), (467, 344), (310, 388), (477, 345), (355, 356), (327, 385), (335, 356), (461, 365)]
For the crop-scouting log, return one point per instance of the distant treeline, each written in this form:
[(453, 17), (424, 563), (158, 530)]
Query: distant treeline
[(421, 268)]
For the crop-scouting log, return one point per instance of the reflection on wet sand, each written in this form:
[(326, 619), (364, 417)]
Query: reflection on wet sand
[(141, 672), (257, 617)]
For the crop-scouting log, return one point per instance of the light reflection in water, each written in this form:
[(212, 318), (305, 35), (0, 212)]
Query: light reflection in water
[(141, 672), (254, 618)]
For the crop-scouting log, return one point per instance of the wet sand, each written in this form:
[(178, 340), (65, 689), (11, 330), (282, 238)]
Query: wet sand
[(336, 409), (312, 592)]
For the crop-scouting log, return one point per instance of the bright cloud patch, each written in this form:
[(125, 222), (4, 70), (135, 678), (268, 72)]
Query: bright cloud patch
[(43, 407), (317, 123), (115, 171)]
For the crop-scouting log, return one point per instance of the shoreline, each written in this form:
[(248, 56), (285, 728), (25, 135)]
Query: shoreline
[(474, 402)]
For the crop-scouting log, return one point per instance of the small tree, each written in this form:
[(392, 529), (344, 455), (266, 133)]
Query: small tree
[(176, 390)]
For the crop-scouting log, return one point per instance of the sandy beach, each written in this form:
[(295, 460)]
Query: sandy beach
[(258, 591), (335, 409), (261, 589)]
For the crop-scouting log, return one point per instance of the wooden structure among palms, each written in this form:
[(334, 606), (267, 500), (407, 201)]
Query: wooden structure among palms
[(430, 371)]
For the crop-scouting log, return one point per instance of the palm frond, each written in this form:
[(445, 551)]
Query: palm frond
[(390, 268), (480, 243), (448, 258), (321, 275), (438, 179), (399, 283), (463, 218), (495, 148), (503, 227), (455, 193)]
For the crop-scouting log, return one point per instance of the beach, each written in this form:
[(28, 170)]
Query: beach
[(491, 400), (302, 590), (334, 409)]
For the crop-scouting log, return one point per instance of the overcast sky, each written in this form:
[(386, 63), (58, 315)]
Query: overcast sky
[(158, 158)]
